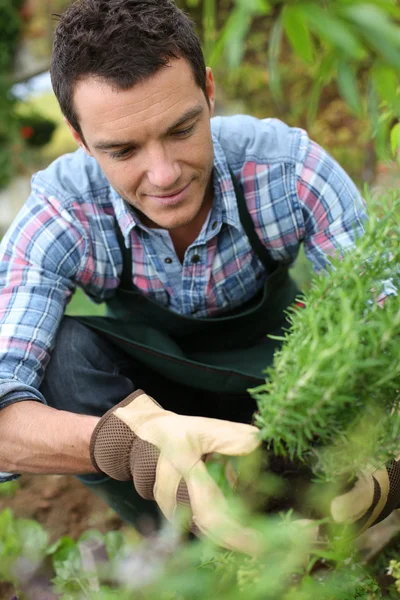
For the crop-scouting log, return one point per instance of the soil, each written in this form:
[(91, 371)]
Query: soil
[(62, 504)]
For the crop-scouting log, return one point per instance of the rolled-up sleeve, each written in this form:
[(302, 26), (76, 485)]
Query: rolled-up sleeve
[(39, 259), (331, 208)]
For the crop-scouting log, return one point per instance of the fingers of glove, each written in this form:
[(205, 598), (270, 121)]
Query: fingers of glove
[(166, 486), (143, 467), (183, 499), (211, 514), (355, 504), (226, 437), (382, 478)]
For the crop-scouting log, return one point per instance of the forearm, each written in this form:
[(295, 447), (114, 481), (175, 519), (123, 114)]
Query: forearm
[(35, 438)]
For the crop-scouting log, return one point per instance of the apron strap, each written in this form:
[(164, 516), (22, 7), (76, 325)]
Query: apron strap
[(126, 276), (266, 259)]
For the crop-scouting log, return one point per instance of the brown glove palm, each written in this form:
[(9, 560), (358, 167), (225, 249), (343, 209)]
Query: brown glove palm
[(162, 452)]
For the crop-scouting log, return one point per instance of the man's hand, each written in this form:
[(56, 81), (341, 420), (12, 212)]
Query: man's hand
[(372, 498), (163, 453)]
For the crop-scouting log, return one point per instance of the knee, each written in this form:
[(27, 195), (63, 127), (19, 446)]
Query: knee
[(83, 367), (73, 344)]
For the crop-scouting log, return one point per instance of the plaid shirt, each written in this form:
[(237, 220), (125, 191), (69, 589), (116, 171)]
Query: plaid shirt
[(65, 237)]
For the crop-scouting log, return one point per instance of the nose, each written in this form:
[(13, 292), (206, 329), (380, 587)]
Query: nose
[(163, 170)]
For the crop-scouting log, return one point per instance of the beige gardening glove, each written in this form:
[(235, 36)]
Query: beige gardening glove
[(371, 499), (163, 453)]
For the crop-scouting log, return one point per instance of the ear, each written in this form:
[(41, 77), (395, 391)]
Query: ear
[(210, 89), (77, 137)]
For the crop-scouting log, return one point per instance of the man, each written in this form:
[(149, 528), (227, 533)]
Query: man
[(186, 228)]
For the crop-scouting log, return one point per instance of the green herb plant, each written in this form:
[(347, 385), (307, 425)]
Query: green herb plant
[(331, 397)]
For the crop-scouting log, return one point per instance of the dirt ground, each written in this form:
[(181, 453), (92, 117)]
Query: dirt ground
[(62, 504)]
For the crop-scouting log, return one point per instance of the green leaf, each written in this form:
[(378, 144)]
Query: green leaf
[(232, 37), (373, 19), (91, 534), (373, 106), (9, 488), (395, 139), (34, 538), (115, 543), (61, 543), (10, 542), (209, 25), (273, 59), (348, 87), (67, 563), (386, 83), (254, 7), (235, 44), (379, 32), (227, 33), (296, 28), (335, 31), (384, 49)]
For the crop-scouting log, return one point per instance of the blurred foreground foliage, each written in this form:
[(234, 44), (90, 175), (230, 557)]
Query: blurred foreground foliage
[(113, 565)]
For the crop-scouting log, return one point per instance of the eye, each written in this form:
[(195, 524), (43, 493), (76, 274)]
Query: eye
[(184, 132), (121, 154)]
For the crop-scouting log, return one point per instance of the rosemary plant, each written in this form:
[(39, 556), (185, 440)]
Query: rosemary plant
[(332, 396)]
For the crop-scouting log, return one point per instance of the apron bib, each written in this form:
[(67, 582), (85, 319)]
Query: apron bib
[(226, 354)]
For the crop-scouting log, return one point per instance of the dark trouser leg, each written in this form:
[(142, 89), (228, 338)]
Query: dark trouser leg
[(84, 376)]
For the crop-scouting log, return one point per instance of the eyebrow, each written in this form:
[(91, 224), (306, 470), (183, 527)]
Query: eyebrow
[(189, 114)]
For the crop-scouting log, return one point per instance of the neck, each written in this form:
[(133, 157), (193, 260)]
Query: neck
[(183, 237)]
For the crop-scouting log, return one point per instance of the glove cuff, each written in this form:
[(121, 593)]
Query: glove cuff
[(112, 443)]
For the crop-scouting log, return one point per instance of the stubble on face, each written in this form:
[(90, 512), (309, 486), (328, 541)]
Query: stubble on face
[(174, 217)]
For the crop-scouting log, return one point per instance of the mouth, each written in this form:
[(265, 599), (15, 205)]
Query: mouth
[(170, 199)]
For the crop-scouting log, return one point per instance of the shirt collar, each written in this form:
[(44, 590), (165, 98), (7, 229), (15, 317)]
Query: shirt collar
[(224, 209)]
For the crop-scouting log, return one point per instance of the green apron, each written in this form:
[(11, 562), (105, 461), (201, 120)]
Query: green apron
[(224, 354)]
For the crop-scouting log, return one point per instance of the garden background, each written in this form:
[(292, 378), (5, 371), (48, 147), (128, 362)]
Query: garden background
[(332, 68)]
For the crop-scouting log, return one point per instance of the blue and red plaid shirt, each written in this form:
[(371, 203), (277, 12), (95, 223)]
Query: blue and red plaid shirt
[(65, 236)]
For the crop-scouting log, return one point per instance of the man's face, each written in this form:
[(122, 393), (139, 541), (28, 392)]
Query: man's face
[(153, 142)]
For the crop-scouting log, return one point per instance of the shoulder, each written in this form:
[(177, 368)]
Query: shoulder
[(72, 176), (265, 141)]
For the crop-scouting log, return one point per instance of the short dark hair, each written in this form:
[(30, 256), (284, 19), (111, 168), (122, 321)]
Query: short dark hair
[(121, 41)]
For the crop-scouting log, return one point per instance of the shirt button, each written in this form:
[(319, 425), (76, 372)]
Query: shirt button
[(196, 258), (214, 225), (168, 260)]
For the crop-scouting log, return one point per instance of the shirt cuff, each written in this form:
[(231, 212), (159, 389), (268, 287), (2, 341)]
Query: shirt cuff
[(12, 391)]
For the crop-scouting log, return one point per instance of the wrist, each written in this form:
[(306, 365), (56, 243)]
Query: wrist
[(112, 442)]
